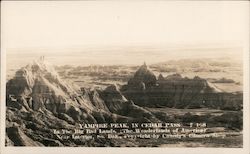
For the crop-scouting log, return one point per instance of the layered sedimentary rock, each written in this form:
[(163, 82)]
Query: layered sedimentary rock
[(176, 91), (118, 104), (143, 78), (37, 87), (38, 101)]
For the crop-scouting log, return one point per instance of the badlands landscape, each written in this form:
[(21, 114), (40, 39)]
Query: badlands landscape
[(42, 97)]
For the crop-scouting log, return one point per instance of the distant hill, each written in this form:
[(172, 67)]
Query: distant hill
[(224, 73), (197, 65)]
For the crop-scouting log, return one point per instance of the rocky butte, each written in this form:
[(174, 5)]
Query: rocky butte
[(38, 100), (175, 91)]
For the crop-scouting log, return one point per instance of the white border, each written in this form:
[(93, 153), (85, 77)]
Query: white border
[(100, 150)]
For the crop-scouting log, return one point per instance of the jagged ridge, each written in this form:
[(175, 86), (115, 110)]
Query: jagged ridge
[(176, 91)]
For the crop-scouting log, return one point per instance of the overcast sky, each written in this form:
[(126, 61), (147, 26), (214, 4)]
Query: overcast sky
[(124, 32), (79, 23)]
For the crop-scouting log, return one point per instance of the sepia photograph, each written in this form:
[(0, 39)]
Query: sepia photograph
[(171, 76)]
